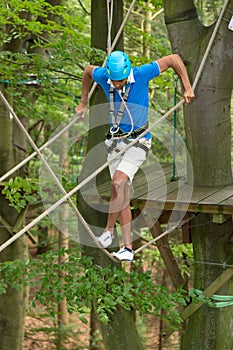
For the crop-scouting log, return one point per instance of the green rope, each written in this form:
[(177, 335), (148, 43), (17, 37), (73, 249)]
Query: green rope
[(216, 301), (174, 177)]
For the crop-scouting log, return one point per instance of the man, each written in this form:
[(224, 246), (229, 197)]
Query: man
[(126, 89)]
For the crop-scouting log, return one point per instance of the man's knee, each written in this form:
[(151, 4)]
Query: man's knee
[(118, 184)]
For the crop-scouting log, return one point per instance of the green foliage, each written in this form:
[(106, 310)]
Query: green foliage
[(208, 10), (46, 69), (85, 284), (43, 76), (20, 192), (183, 252)]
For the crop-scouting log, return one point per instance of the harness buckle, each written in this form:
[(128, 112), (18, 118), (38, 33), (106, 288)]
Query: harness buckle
[(113, 130)]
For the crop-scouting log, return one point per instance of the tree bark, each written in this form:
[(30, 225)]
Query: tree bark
[(209, 328), (12, 304), (207, 119), (13, 149), (208, 137)]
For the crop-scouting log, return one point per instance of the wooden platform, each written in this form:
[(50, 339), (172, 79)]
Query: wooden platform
[(173, 203), (155, 188)]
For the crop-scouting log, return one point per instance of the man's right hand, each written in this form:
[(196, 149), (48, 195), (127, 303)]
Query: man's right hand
[(81, 110)]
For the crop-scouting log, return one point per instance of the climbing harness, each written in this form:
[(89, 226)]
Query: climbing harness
[(115, 134), (117, 116), (113, 146), (133, 134)]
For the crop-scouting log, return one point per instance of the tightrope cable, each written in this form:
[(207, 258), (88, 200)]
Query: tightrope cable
[(199, 262)]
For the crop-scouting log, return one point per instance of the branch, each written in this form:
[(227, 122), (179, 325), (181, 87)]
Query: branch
[(84, 9)]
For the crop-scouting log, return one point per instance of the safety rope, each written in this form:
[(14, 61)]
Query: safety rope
[(115, 41), (101, 168), (110, 6), (32, 155), (209, 45)]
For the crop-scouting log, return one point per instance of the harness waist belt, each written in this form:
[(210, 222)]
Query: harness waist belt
[(120, 133)]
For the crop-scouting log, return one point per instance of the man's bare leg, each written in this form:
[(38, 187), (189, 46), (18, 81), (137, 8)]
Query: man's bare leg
[(119, 207), (125, 219)]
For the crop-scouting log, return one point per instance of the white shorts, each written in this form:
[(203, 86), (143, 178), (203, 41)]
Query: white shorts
[(130, 161)]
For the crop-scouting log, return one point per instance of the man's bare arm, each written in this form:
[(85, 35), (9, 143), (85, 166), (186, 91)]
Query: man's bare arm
[(175, 62), (86, 85)]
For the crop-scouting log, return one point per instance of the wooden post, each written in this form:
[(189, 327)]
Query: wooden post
[(165, 251), (209, 291)]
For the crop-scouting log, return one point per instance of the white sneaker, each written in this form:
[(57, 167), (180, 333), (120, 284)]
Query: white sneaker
[(105, 239), (124, 254)]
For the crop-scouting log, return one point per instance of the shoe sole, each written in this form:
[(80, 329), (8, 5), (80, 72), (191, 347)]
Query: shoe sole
[(121, 259)]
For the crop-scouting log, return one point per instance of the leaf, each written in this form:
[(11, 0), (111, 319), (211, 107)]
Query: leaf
[(83, 318)]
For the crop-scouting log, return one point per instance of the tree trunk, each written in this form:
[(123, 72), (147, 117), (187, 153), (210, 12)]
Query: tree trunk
[(207, 118), (13, 149), (121, 333), (147, 29), (209, 328), (12, 304), (208, 133)]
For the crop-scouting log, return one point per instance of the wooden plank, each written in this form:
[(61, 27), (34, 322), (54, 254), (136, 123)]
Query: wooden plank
[(227, 202), (161, 190), (151, 173), (151, 178), (221, 195), (151, 169), (184, 200), (139, 180), (186, 207), (188, 193), (154, 188)]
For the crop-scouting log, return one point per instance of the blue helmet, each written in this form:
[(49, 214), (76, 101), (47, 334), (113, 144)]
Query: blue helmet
[(118, 66)]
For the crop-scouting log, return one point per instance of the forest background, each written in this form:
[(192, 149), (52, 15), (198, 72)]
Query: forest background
[(44, 84)]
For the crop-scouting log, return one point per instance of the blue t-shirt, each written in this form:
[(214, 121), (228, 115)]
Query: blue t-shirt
[(138, 99)]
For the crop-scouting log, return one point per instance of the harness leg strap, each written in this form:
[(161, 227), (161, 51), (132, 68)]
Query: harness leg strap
[(138, 144)]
